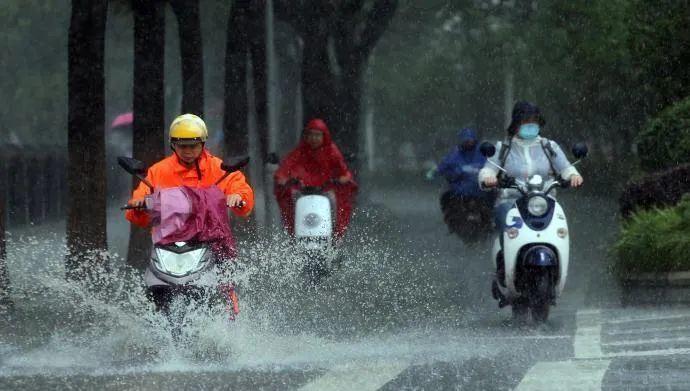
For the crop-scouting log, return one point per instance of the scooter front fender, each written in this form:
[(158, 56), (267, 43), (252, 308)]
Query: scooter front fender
[(540, 256), (528, 237)]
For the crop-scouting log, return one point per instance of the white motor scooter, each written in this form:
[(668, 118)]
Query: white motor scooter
[(532, 253), (314, 221)]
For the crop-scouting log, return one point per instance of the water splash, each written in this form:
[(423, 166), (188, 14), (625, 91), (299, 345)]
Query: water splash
[(387, 301)]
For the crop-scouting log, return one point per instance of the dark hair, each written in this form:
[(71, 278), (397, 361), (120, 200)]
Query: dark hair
[(522, 111)]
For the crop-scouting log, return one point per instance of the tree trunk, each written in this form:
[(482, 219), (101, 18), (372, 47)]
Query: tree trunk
[(148, 104), (192, 55), (5, 300), (236, 137), (86, 223), (349, 122), (257, 50), (319, 88)]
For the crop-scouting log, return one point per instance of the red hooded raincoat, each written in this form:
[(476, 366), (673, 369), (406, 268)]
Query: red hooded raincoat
[(315, 167)]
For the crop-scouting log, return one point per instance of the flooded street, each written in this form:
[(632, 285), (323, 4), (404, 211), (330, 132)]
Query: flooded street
[(410, 308), (369, 131)]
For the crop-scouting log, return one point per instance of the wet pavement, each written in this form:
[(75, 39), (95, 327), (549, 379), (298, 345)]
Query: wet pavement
[(410, 309)]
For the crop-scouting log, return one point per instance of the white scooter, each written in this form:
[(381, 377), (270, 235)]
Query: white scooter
[(314, 225), (532, 253)]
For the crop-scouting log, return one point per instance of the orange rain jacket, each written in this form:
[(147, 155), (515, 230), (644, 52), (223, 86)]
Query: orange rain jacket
[(169, 172)]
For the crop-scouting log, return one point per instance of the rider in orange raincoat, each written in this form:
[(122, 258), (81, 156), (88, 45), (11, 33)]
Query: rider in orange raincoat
[(315, 162), (191, 165)]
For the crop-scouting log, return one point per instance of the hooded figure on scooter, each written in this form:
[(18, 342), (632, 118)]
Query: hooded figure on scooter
[(461, 166), (523, 154), (532, 247), (466, 208), (318, 162)]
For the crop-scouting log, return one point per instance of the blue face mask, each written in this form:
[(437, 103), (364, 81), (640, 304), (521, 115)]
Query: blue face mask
[(528, 131)]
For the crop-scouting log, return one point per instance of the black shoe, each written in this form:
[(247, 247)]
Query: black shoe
[(494, 290), (496, 293)]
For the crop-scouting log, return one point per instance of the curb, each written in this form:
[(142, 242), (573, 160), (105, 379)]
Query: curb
[(656, 288)]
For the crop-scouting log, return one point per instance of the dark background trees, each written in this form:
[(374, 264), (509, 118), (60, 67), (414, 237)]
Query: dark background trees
[(5, 299), (188, 17), (338, 38), (86, 223), (148, 130), (599, 69)]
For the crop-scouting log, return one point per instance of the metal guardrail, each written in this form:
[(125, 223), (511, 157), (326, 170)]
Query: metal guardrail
[(33, 183)]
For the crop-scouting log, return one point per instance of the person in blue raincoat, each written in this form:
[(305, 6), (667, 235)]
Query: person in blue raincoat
[(461, 166), (464, 200)]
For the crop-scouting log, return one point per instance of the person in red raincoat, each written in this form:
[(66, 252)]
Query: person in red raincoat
[(316, 161)]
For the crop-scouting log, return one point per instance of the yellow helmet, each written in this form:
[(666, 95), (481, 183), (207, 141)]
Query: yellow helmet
[(188, 128)]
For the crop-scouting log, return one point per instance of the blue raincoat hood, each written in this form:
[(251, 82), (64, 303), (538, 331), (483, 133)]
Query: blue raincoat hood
[(466, 134), (460, 167)]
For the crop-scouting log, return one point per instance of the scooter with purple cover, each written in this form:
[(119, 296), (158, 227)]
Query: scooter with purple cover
[(186, 261)]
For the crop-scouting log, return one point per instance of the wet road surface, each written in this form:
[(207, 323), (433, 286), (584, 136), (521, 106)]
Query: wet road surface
[(410, 309)]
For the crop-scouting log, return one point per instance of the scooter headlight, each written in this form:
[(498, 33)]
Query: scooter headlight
[(537, 206), (312, 220), (180, 264)]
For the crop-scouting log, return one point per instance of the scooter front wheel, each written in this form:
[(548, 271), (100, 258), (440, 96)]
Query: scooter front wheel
[(520, 310), (540, 312), (540, 299)]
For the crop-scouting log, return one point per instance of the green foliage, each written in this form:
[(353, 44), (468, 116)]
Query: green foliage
[(655, 241), (665, 141), (33, 88), (660, 44), (448, 66)]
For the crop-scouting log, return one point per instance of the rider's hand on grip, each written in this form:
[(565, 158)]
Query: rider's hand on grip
[(575, 181), (137, 203), (490, 181), (235, 201), (343, 180)]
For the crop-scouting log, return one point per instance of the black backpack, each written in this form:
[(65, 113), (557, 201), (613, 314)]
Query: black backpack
[(545, 146)]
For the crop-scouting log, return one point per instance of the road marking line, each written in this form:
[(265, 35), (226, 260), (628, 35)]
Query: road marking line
[(646, 330), (647, 341), (642, 353), (648, 318), (524, 337), (356, 377), (587, 341), (565, 375)]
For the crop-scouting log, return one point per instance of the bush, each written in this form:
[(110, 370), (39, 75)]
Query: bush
[(661, 189), (665, 141), (655, 241)]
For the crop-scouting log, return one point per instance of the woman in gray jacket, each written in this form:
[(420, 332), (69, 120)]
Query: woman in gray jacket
[(524, 154)]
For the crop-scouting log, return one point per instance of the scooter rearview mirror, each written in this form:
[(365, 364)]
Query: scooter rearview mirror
[(132, 166), (135, 167), (272, 158), (580, 150), (234, 164), (487, 149)]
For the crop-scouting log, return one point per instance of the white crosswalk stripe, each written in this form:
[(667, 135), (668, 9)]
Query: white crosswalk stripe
[(357, 377), (565, 375)]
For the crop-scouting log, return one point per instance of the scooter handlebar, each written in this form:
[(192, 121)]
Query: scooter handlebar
[(300, 184), (143, 207), (133, 207)]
